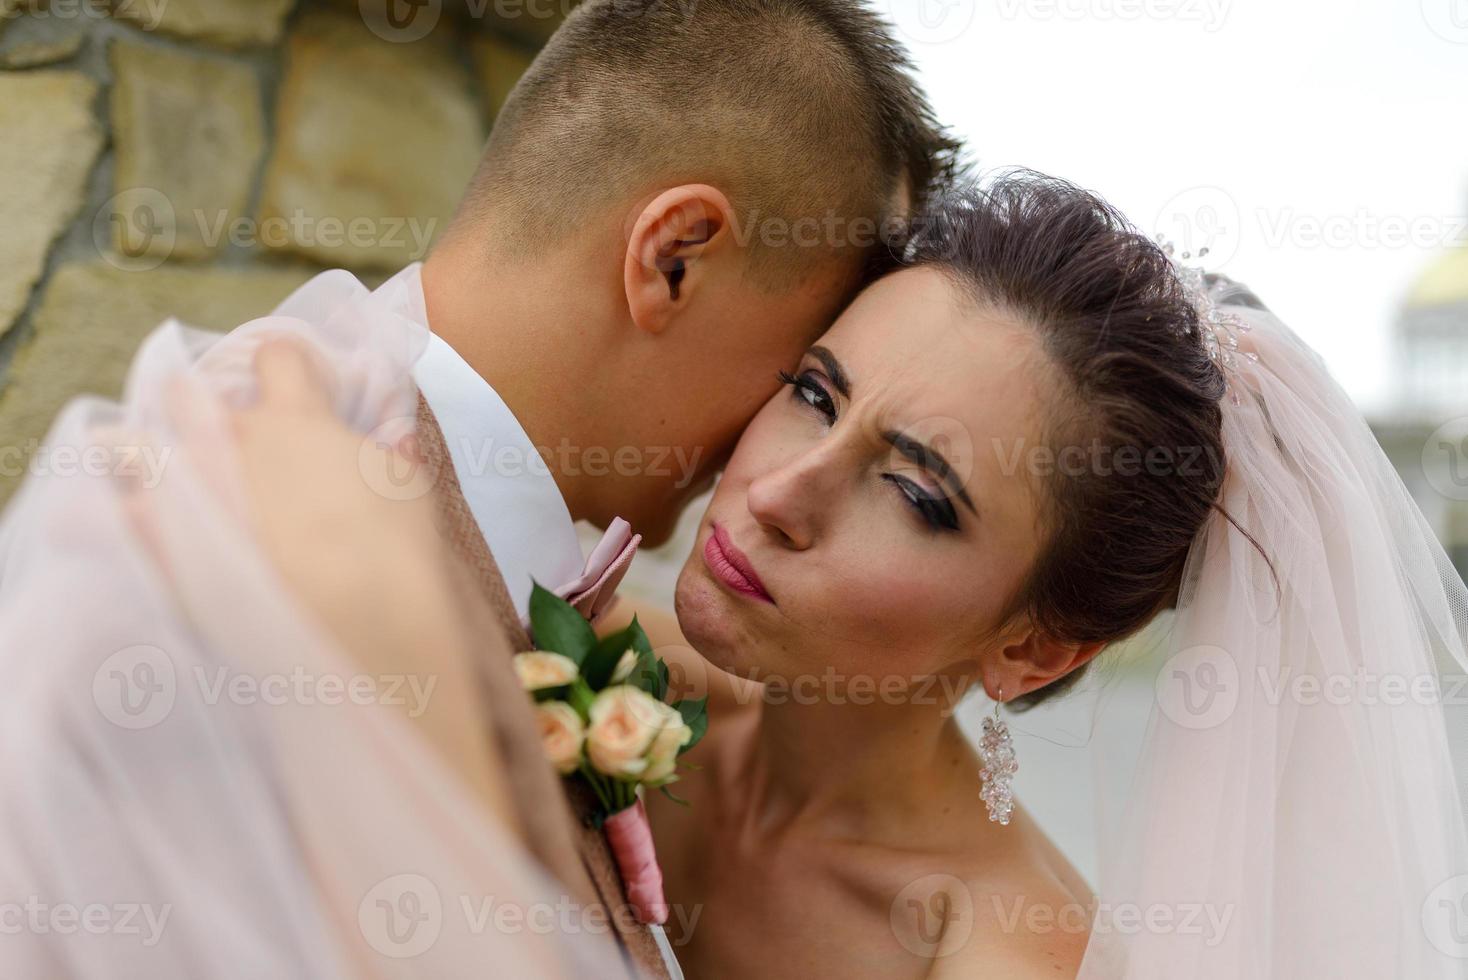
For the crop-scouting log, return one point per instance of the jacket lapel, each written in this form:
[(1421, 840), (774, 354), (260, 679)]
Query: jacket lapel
[(553, 819)]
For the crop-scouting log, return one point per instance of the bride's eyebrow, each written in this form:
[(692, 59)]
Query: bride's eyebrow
[(933, 461), (833, 367)]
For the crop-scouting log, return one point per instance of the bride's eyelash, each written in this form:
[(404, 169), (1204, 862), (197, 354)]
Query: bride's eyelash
[(937, 512), (808, 391)]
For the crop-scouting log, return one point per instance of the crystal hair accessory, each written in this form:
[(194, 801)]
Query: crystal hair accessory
[(1220, 330), (996, 751)]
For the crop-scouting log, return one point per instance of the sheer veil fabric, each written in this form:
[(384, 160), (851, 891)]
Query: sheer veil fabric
[(1288, 787), (159, 817)]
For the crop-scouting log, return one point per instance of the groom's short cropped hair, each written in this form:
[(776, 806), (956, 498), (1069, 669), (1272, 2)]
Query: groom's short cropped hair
[(804, 112)]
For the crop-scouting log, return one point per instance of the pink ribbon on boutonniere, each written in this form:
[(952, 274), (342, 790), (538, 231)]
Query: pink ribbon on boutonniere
[(630, 836), (593, 592)]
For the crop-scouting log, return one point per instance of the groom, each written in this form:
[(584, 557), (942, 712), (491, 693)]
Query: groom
[(675, 201)]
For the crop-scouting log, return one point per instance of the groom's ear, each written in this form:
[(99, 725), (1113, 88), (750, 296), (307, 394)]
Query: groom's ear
[(668, 248), (1032, 660)]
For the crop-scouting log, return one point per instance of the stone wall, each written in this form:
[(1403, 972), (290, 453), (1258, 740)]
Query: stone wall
[(202, 158)]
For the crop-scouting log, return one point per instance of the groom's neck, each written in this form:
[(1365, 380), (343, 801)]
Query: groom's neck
[(531, 335)]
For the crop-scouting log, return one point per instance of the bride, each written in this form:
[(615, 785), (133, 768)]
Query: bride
[(1036, 438), (999, 462)]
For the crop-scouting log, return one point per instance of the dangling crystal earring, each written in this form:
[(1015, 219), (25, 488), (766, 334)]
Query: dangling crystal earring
[(996, 751)]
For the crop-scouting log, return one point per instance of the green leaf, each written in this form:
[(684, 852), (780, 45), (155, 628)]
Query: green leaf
[(692, 710), (674, 797), (579, 696), (696, 717), (558, 627), (662, 691), (640, 642), (602, 661)]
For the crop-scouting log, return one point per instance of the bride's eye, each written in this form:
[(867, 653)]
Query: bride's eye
[(807, 389), (936, 511)]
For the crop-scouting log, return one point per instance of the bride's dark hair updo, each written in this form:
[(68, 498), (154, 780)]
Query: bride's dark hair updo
[(1140, 402)]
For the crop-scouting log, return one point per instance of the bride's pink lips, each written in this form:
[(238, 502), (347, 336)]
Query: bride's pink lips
[(731, 567)]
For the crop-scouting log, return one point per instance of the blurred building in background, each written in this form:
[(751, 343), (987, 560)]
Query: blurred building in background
[(1425, 431), (203, 158)]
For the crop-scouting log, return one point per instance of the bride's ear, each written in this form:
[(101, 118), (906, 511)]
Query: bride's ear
[(1033, 660), (668, 250)]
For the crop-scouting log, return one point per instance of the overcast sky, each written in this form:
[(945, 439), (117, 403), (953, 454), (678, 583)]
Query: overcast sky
[(1321, 148)]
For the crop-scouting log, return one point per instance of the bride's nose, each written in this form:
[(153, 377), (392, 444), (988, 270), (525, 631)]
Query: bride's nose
[(793, 499)]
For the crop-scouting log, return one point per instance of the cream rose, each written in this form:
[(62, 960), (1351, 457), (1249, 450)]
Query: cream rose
[(561, 735), (623, 670), (538, 670), (662, 756), (624, 722)]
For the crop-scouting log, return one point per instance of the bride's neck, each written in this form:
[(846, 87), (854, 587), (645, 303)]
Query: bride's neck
[(856, 765)]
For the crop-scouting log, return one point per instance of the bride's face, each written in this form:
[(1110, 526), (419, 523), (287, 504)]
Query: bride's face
[(875, 519)]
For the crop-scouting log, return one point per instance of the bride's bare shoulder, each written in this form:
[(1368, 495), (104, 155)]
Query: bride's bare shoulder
[(1030, 908), (1056, 960), (1026, 927)]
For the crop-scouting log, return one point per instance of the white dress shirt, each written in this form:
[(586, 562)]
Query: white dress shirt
[(510, 492)]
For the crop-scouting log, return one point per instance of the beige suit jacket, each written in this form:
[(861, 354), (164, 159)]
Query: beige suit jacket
[(553, 819)]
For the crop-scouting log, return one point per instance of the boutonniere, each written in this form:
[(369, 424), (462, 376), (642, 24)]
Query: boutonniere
[(603, 720)]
